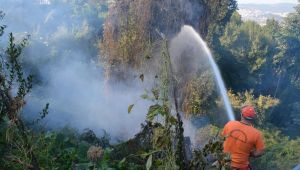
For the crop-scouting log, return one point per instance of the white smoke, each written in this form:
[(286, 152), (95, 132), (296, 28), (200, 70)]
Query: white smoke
[(64, 62), (63, 56), (79, 98)]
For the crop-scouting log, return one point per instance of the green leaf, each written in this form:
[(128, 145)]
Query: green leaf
[(149, 163), (172, 120), (144, 96), (130, 108), (154, 110), (144, 155), (216, 164), (123, 161), (155, 93), (84, 165)]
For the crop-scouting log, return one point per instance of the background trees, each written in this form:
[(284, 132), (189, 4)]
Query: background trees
[(264, 59)]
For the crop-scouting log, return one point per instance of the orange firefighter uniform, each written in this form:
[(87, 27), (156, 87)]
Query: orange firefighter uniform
[(241, 139)]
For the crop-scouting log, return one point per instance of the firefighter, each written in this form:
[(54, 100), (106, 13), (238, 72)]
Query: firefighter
[(243, 140)]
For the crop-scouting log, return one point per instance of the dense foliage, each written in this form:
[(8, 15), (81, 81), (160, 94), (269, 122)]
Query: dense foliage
[(264, 59), (130, 34)]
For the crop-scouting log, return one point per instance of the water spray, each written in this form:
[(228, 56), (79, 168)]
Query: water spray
[(218, 77)]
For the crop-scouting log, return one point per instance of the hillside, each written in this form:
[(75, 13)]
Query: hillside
[(261, 12)]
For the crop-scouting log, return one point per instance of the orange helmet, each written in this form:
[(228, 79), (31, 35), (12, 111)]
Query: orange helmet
[(248, 112)]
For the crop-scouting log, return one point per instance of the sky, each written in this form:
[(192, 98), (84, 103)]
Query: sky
[(266, 1)]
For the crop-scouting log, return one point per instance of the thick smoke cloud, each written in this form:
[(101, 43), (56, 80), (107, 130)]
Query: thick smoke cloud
[(62, 55), (79, 98)]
